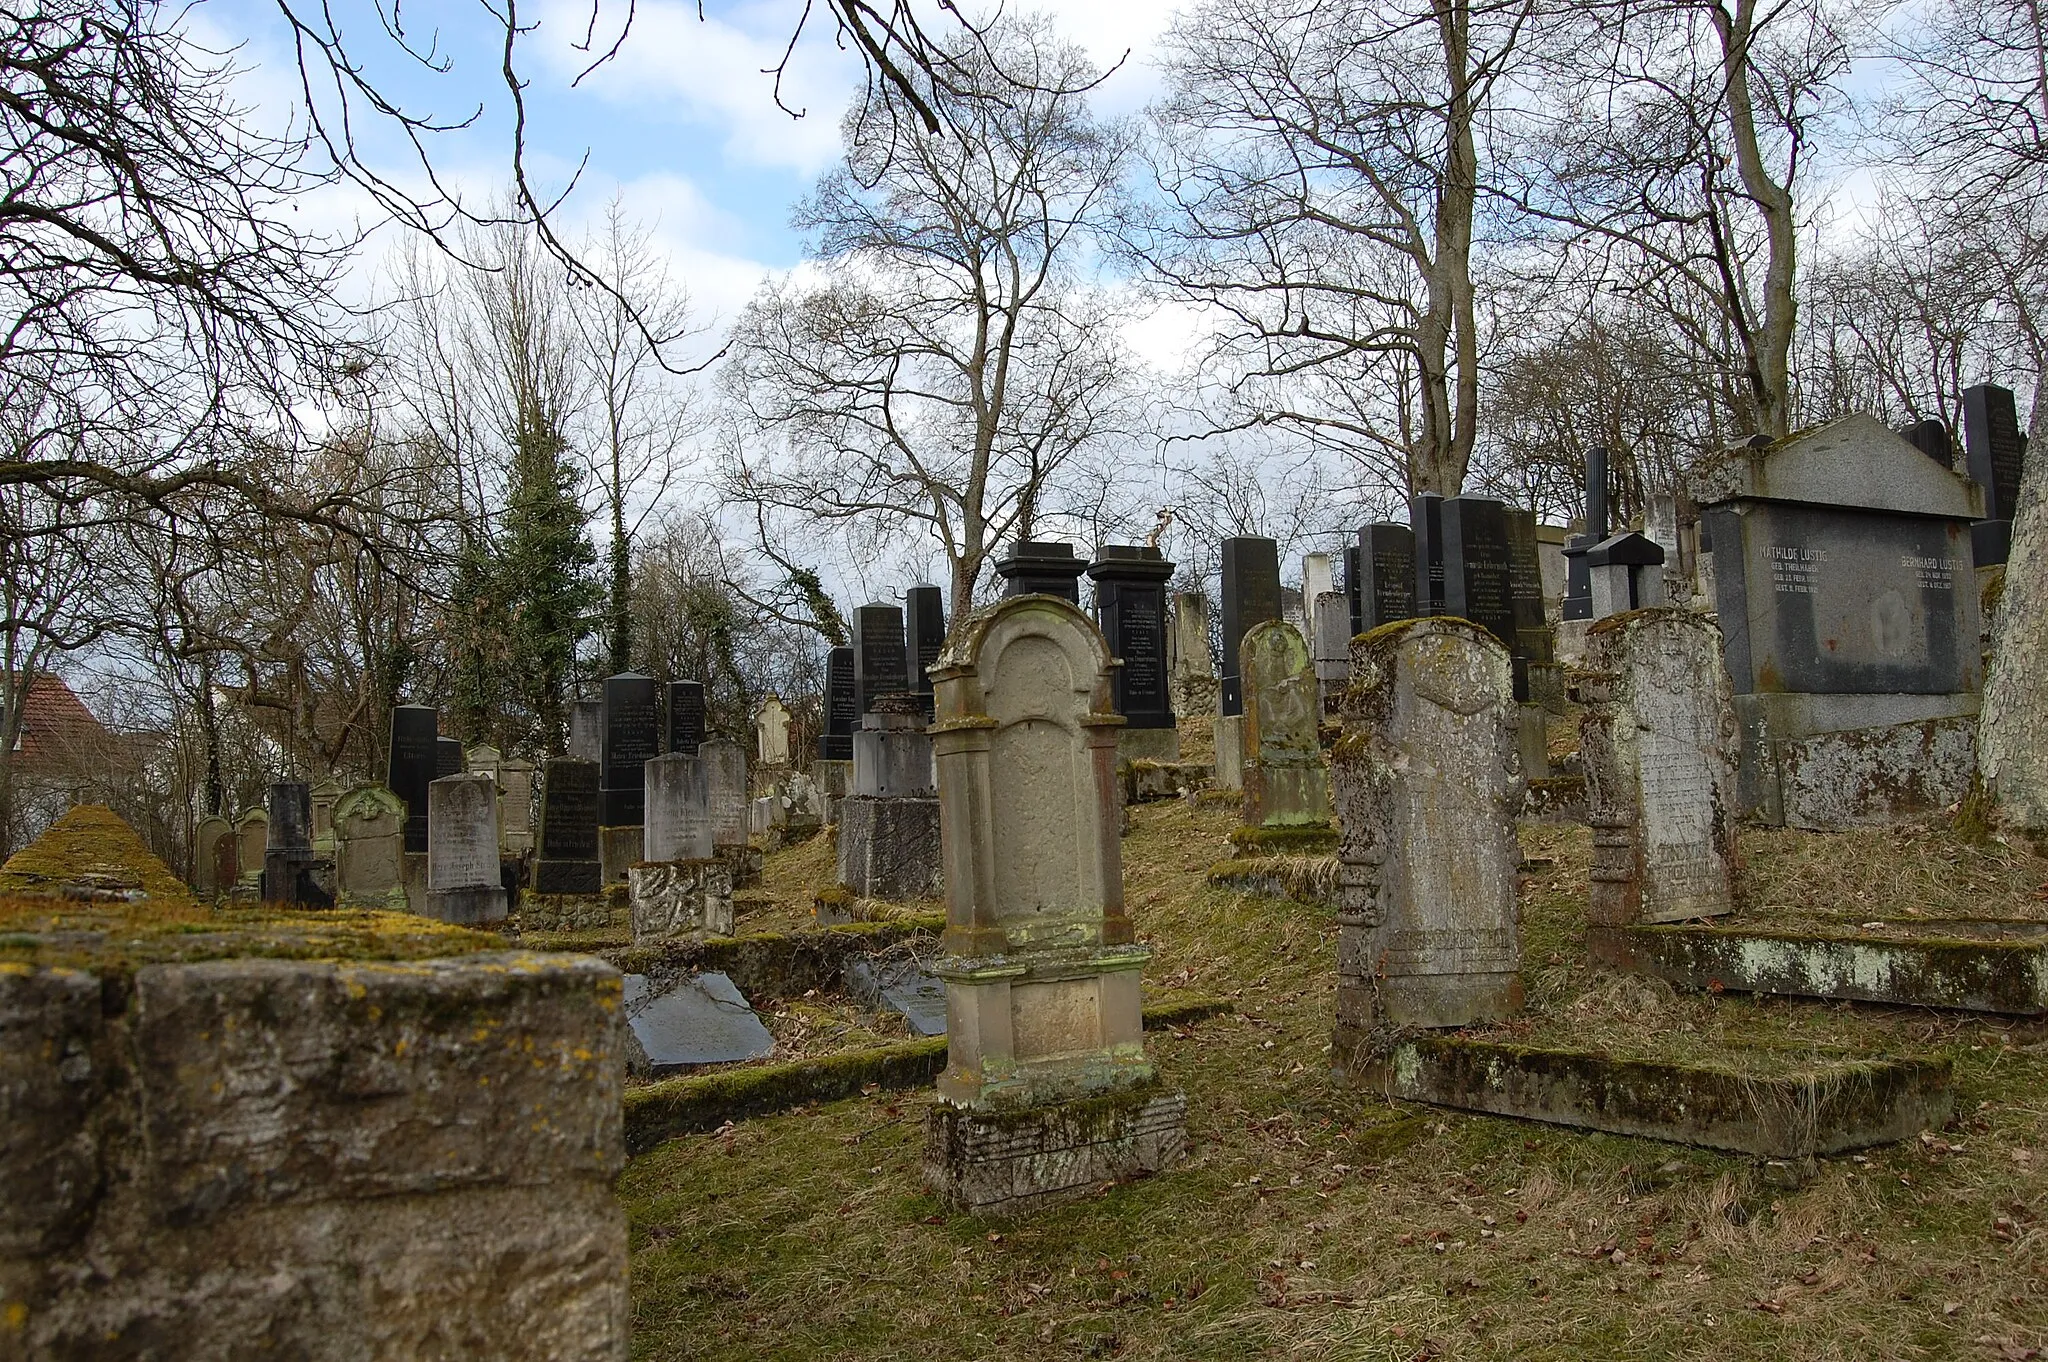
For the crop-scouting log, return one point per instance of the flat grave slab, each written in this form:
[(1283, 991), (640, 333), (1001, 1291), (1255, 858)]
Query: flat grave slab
[(900, 986), (702, 1020), (1795, 1112), (1977, 965)]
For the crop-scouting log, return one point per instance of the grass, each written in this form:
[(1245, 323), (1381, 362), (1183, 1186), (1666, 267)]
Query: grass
[(1320, 1221)]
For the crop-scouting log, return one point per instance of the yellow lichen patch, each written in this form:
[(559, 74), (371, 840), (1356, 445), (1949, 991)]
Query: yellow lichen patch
[(91, 854)]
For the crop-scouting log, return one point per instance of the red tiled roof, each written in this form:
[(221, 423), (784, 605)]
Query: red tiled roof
[(55, 722)]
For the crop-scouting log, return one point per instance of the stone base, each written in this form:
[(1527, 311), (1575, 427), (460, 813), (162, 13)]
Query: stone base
[(467, 907), (1983, 966), (1821, 1109), (834, 782), (1369, 1008), (1547, 688), (1146, 782), (1003, 1164), (1571, 641), (570, 912), (681, 899), (743, 864), (1296, 794), (889, 847), (568, 877), (1147, 744), (1229, 773), (1830, 762), (412, 878), (619, 849), (1556, 799)]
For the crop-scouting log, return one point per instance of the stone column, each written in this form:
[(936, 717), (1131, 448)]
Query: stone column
[(1659, 742), (1428, 788), (464, 882)]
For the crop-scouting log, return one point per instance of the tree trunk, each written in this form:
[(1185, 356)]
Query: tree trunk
[(2012, 732)]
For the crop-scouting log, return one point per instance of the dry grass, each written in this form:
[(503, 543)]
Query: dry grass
[(1320, 1221)]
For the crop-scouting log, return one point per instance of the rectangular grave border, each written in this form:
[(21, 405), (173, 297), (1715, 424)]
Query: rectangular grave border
[(1829, 1108), (2004, 976), (700, 1103)]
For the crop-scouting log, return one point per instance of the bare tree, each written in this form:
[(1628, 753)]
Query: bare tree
[(950, 364)]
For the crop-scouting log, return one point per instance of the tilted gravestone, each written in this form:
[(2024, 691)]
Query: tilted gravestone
[(1658, 738), (1047, 1091), (465, 883), (409, 766), (632, 734), (569, 805), (1284, 782), (1428, 787), (1130, 609), (369, 848), (1251, 595)]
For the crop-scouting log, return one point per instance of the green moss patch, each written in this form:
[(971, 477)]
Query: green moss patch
[(90, 853), (1286, 839)]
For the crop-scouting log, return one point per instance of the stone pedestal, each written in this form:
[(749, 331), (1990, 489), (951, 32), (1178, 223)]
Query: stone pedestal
[(1160, 745), (1003, 1164), (680, 899), (889, 825)]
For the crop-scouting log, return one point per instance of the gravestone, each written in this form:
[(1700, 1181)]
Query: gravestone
[(448, 759), (726, 761), (482, 761), (1041, 567), (288, 847), (515, 806), (1995, 450), (1317, 580), (321, 801), (880, 656), (924, 610), (1251, 595), (252, 836), (678, 826), (1130, 609), (889, 846), (1478, 579), (1626, 572), (842, 707), (1845, 588), (1578, 582), (1658, 739), (680, 900), (1042, 965), (1425, 522), (631, 735), (409, 766), (1382, 588), (702, 1019), (1332, 647), (771, 732), (569, 808), (214, 866), (369, 849), (682, 888), (1188, 656), (1533, 642), (464, 883), (1428, 787), (1930, 437), (1284, 782), (586, 730), (685, 716)]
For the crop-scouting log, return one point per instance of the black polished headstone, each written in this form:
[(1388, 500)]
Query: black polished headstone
[(924, 608), (1425, 520), (881, 662), (1130, 609), (1384, 576), (1995, 451), (1478, 578), (1042, 567), (1930, 437), (1251, 595), (842, 707), (288, 847), (632, 734), (685, 717), (447, 757), (1525, 577), (568, 861), (410, 764), (1352, 587), (1578, 581)]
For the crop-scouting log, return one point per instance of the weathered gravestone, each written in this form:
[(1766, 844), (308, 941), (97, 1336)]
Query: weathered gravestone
[(1996, 450), (1251, 595), (1843, 577), (1047, 1091), (288, 847), (682, 888), (889, 845), (685, 716), (214, 866), (881, 664), (1286, 791), (1381, 585), (483, 760), (771, 733), (1658, 739), (569, 803), (515, 806), (409, 766), (252, 837), (703, 1019), (464, 881), (1187, 655), (1428, 786), (320, 801), (842, 707), (1042, 567), (1331, 613), (369, 849), (448, 757), (726, 761), (586, 730), (632, 734), (1130, 609), (924, 611)]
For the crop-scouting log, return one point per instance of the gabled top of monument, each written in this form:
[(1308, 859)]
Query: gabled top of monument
[(1853, 462)]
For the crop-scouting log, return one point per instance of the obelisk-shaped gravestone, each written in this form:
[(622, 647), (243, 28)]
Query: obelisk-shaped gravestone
[(685, 716), (630, 737), (881, 663), (1251, 595), (1578, 581), (924, 608), (842, 707), (1995, 449), (1130, 609), (410, 765)]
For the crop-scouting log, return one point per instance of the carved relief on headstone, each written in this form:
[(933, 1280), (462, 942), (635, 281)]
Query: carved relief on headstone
[(1284, 781), (369, 845), (464, 880), (1428, 787), (1659, 742)]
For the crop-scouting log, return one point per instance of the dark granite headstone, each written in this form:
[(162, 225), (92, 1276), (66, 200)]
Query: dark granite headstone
[(288, 847), (569, 806), (685, 717), (842, 707), (881, 663), (1352, 586), (1251, 595), (1578, 581), (1525, 578), (410, 767), (448, 759), (924, 608), (1042, 567), (1130, 609), (703, 1019), (1384, 579), (1478, 579), (922, 1003), (1425, 520), (632, 734), (1995, 450), (1930, 437)]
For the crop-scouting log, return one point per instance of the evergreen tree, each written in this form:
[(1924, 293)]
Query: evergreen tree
[(544, 571)]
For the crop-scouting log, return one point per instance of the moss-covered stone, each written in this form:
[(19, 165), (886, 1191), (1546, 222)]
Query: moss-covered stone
[(90, 853), (1289, 839), (1305, 879)]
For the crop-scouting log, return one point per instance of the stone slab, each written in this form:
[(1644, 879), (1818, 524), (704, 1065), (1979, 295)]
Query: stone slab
[(1002, 1164), (568, 877), (921, 1003), (1827, 1109), (701, 1020), (1148, 781), (1985, 966), (1855, 778)]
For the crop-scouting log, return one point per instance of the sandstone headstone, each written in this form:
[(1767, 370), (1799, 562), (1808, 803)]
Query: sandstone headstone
[(1042, 966), (1428, 788), (1251, 595), (515, 805), (1658, 739), (1229, 743), (1284, 782), (1130, 608), (409, 764), (771, 732), (252, 837), (464, 881), (726, 761), (1042, 567), (569, 803), (483, 760), (369, 847), (214, 865), (321, 800)]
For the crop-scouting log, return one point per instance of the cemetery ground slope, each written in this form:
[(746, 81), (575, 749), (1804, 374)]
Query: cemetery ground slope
[(1319, 1221)]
